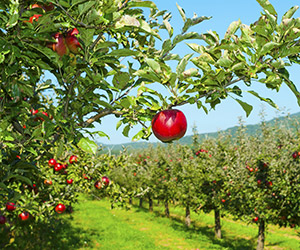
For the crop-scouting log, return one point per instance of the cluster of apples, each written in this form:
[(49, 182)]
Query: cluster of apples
[(65, 42), (57, 166), (10, 206)]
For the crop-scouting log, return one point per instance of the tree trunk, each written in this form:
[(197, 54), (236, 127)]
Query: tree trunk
[(130, 200), (150, 205), (261, 236), (218, 233), (167, 211), (187, 216), (141, 203)]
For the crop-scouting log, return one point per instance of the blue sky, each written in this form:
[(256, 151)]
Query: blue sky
[(227, 113)]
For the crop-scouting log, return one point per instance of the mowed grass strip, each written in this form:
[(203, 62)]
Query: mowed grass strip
[(103, 228)]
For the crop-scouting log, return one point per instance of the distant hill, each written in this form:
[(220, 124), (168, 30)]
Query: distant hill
[(251, 130)]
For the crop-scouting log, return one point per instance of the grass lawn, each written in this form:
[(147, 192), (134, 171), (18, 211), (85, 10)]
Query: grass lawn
[(93, 225)]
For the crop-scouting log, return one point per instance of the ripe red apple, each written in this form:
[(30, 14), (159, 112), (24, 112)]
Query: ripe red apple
[(52, 162), (24, 216), (70, 181), (169, 125), (10, 206), (255, 219), (98, 185), (60, 208), (48, 182), (105, 180), (59, 46), (73, 158), (72, 41), (34, 111), (2, 219), (223, 200), (295, 154), (58, 167)]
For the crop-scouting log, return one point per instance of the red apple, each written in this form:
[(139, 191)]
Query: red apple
[(105, 180), (10, 206), (98, 185), (48, 182), (73, 158), (255, 219), (60, 46), (295, 154), (2, 219), (24, 216), (169, 125), (70, 181), (223, 200), (34, 111), (72, 41), (60, 208), (58, 167), (52, 162)]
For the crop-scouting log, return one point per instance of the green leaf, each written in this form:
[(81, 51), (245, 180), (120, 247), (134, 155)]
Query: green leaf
[(182, 64), (153, 65), (233, 27), (224, 62), (121, 79), (266, 5), (247, 107), (145, 4), (123, 52), (87, 145), (186, 36), (182, 12), (267, 100), (267, 48), (290, 12), (20, 177), (126, 130), (85, 7), (193, 21), (101, 134)]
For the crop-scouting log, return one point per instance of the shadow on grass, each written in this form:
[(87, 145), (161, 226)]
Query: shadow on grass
[(58, 235), (196, 231)]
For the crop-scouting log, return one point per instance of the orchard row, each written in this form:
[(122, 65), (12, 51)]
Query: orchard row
[(253, 178)]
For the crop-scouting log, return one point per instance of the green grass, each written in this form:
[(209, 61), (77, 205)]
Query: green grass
[(94, 225)]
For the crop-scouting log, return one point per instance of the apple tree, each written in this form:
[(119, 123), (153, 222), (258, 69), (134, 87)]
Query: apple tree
[(67, 64)]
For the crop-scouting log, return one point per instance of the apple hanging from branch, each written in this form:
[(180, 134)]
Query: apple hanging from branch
[(169, 125)]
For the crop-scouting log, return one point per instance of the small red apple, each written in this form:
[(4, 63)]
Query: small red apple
[(10, 206), (2, 219), (295, 154), (34, 111), (52, 162), (58, 167), (48, 182), (70, 181), (105, 180), (59, 46), (24, 216), (223, 200), (255, 219), (169, 125), (60, 208), (72, 41), (98, 185), (73, 158)]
